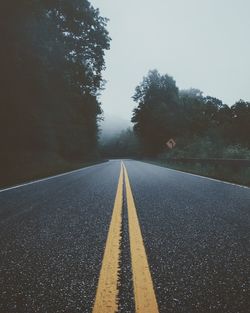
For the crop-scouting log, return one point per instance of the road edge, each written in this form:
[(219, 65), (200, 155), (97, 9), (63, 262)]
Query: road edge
[(50, 177), (192, 174)]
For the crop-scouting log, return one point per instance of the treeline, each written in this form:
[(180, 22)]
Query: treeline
[(202, 126), (121, 145), (51, 60), (165, 112)]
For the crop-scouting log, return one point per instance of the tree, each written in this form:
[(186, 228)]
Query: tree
[(240, 126), (156, 116), (200, 113), (121, 145), (51, 59)]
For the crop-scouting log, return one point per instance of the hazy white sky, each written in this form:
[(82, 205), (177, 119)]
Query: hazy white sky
[(203, 44)]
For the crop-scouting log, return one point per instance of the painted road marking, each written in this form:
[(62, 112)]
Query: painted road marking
[(196, 175), (145, 299), (50, 177), (106, 300)]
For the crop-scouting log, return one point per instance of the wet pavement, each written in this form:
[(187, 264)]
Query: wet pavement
[(196, 233)]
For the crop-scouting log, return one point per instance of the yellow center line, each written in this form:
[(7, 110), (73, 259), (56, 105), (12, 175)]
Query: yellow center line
[(106, 300), (145, 299)]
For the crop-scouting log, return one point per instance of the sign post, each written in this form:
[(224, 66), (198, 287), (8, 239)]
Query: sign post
[(171, 143)]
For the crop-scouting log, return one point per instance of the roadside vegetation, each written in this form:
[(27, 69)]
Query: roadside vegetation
[(202, 127), (239, 176), (49, 164), (205, 148), (51, 62), (122, 145)]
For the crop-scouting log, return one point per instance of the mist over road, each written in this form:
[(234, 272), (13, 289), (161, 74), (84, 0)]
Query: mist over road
[(195, 232)]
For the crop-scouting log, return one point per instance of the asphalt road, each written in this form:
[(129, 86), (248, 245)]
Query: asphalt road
[(196, 233)]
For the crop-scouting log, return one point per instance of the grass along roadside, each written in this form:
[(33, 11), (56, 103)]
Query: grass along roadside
[(225, 173), (30, 170)]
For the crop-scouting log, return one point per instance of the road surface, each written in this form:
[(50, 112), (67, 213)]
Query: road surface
[(126, 236)]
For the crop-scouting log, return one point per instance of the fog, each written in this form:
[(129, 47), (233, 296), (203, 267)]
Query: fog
[(112, 125), (202, 44)]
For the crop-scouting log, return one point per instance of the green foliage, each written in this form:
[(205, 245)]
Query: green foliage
[(207, 147), (240, 122), (235, 152), (199, 147), (156, 117), (51, 60), (225, 173), (202, 126)]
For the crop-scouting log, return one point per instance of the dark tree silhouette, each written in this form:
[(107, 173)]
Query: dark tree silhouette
[(156, 116), (164, 112), (51, 59)]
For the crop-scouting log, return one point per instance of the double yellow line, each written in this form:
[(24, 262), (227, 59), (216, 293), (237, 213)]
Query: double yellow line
[(106, 300)]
